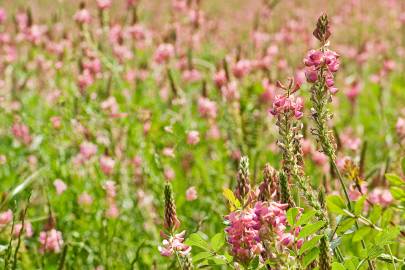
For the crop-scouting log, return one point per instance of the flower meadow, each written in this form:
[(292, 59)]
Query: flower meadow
[(202, 134)]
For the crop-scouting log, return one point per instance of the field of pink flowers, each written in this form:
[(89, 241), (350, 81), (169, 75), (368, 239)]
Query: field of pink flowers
[(202, 134)]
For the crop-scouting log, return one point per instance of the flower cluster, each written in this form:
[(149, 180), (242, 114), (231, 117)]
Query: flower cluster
[(51, 241), (287, 104), (172, 244), (321, 65), (248, 228)]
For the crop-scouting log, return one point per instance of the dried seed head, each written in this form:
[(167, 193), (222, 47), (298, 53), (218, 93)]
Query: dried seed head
[(322, 32), (171, 221)]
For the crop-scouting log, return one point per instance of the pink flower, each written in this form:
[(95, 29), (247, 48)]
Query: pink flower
[(269, 91), (27, 229), (381, 197), (174, 244), (60, 186), (193, 137), (84, 199), (191, 75), (353, 91), (168, 152), (354, 192), (191, 194), (311, 74), (6, 217), (51, 241), (22, 133), (112, 211), (169, 174), (107, 164), (88, 149), (220, 78), (109, 187), (400, 127), (104, 4), (163, 53), (207, 108), (230, 91), (56, 122), (3, 15), (82, 16), (241, 68)]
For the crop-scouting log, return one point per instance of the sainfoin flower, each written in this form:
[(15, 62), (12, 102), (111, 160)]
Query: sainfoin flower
[(50, 241), (6, 217), (284, 104), (193, 137), (60, 186), (248, 228), (191, 194), (174, 244), (28, 231)]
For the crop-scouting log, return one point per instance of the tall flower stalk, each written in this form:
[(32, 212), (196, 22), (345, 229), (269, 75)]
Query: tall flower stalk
[(288, 111), (321, 65)]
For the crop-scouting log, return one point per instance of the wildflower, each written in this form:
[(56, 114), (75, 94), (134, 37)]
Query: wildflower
[(104, 4), (84, 199), (82, 16), (191, 194), (163, 53), (207, 108), (174, 244), (193, 137), (60, 186), (381, 197), (88, 149), (6, 217), (169, 173), (18, 229), (107, 164), (50, 241)]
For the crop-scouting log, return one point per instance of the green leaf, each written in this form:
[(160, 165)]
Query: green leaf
[(386, 217), (217, 241), (387, 236), (306, 217), (338, 266), (375, 251), (345, 224), (358, 207), (202, 255), (310, 256), (218, 260), (375, 214), (311, 229), (398, 193), (196, 240), (335, 204), (361, 233), (307, 245), (292, 215), (394, 179), (351, 263), (233, 201), (254, 263)]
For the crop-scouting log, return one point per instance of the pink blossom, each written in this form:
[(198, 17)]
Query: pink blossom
[(6, 217), (169, 173), (51, 241), (109, 187), (28, 232), (207, 108), (241, 68), (193, 137), (107, 164), (191, 75), (88, 149), (191, 194), (230, 91), (104, 4), (60, 186), (3, 15), (84, 199), (163, 53), (174, 244), (168, 152), (355, 193), (112, 211), (269, 91), (220, 78), (381, 197), (22, 133), (56, 122), (82, 16), (353, 91)]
